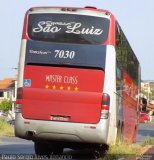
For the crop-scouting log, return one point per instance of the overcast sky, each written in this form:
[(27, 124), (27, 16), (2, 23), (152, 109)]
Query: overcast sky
[(136, 18)]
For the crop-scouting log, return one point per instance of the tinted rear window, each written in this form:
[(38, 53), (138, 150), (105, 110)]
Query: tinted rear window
[(46, 53), (68, 28)]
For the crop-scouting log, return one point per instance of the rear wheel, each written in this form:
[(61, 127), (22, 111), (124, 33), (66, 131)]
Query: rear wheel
[(41, 148), (100, 151), (47, 149), (56, 149)]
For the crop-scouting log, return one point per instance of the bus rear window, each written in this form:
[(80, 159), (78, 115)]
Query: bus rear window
[(68, 28)]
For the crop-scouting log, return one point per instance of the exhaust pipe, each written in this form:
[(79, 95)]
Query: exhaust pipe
[(30, 134)]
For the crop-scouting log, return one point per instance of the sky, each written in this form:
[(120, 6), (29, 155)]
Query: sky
[(136, 18)]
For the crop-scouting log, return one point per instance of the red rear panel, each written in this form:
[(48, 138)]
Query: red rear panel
[(62, 94)]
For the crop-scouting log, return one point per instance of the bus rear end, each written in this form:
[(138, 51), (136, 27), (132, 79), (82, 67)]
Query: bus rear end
[(62, 64)]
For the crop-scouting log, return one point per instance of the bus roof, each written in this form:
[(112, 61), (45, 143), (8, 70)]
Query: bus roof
[(73, 10)]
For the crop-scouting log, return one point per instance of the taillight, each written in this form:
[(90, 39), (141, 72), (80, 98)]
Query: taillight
[(19, 95), (105, 106), (19, 99)]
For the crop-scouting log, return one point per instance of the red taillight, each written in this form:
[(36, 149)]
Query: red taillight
[(19, 99), (105, 106), (19, 95)]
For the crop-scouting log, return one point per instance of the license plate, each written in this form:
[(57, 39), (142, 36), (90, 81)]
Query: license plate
[(60, 118)]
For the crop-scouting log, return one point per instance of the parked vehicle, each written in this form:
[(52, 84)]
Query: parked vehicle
[(144, 117)]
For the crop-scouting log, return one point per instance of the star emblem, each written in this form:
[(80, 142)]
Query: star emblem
[(54, 87), (46, 86), (76, 88), (61, 87), (68, 88)]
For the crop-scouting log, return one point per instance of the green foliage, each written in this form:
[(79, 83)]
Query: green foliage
[(128, 151), (6, 129), (5, 105)]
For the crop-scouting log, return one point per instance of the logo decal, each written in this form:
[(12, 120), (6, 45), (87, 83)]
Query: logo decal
[(27, 82)]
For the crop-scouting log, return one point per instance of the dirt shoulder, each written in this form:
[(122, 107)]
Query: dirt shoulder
[(147, 153)]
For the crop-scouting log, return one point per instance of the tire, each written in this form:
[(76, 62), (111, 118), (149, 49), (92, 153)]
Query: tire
[(47, 149), (100, 151), (42, 148), (56, 149)]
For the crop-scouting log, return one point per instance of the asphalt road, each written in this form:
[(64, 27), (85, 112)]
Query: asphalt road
[(145, 130), (17, 146), (13, 145)]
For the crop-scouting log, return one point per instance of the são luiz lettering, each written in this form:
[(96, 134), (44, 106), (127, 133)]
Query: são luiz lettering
[(74, 28)]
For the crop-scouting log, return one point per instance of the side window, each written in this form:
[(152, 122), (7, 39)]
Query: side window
[(119, 79), (125, 55), (118, 44), (118, 38), (119, 88)]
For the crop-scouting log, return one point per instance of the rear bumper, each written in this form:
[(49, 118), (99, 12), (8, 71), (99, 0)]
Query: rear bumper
[(61, 131)]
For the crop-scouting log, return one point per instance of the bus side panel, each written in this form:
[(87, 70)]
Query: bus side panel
[(130, 92)]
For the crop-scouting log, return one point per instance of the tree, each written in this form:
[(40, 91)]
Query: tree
[(5, 105)]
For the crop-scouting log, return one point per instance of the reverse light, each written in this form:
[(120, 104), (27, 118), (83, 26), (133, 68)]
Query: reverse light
[(19, 99), (105, 106)]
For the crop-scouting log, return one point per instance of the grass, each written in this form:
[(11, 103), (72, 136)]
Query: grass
[(125, 151), (122, 151), (6, 129), (148, 141)]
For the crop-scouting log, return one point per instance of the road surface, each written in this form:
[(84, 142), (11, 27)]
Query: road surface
[(145, 130), (22, 149)]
